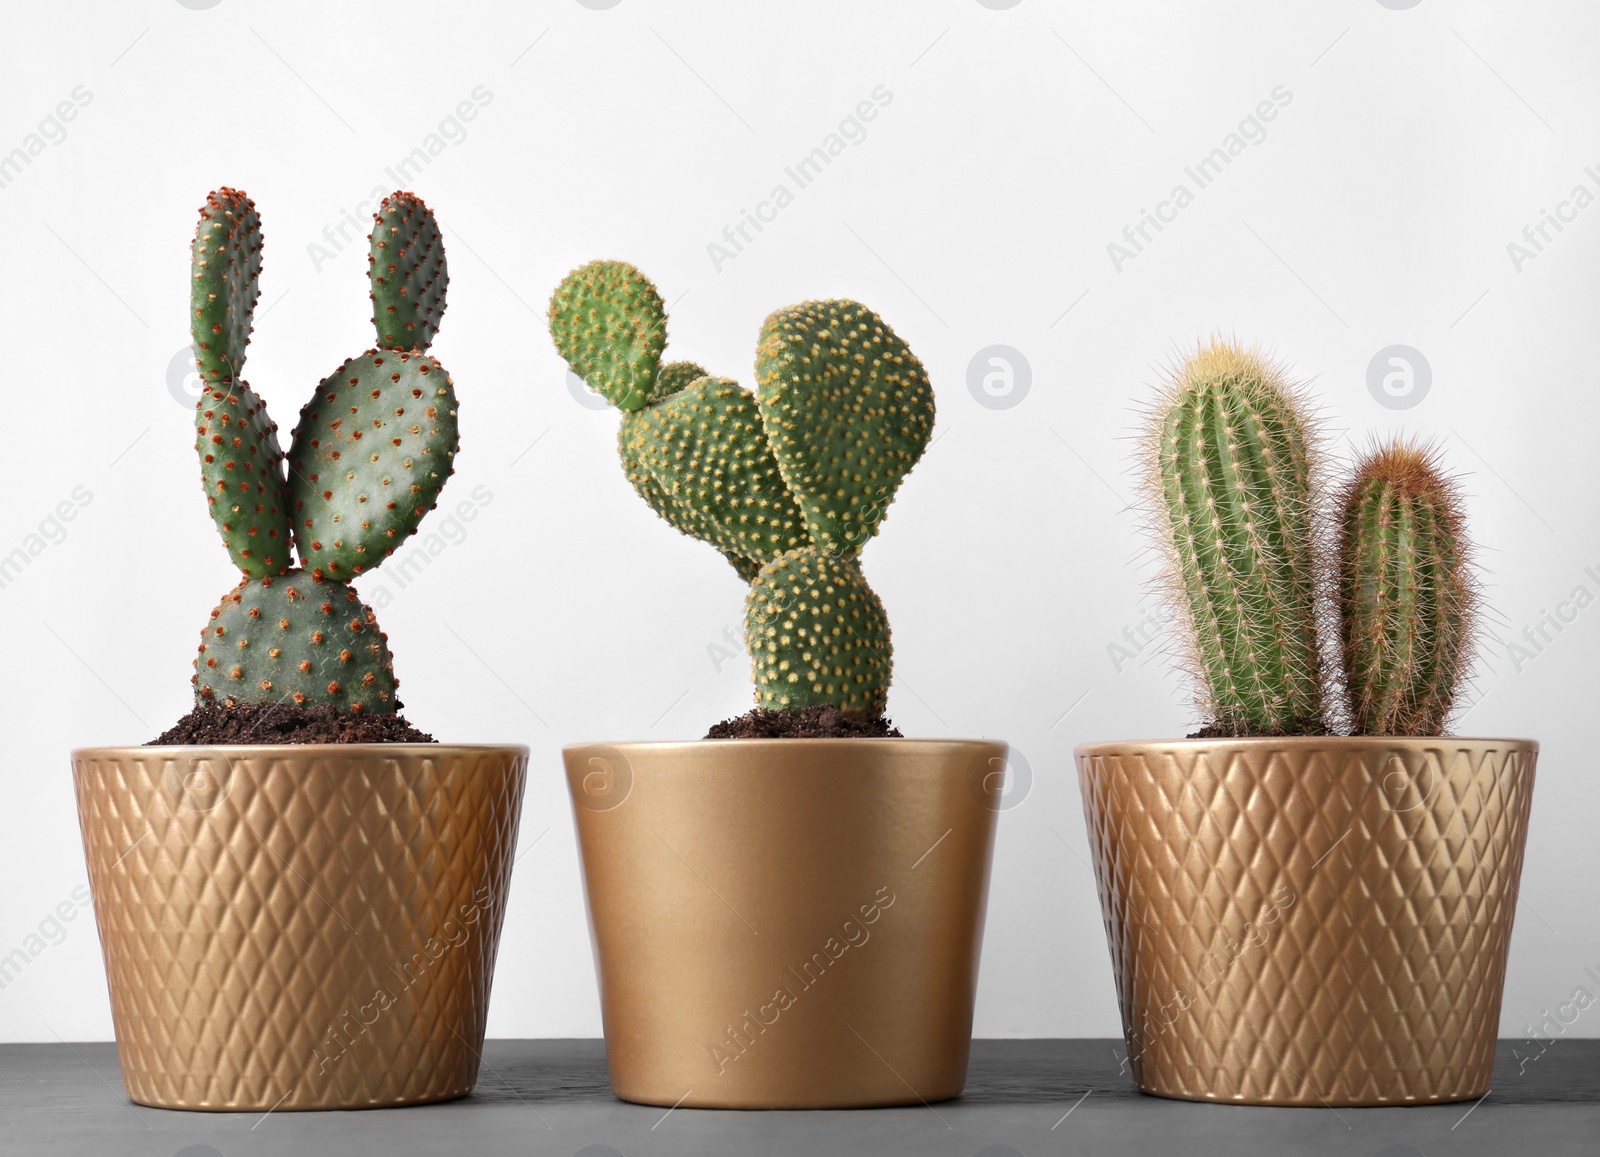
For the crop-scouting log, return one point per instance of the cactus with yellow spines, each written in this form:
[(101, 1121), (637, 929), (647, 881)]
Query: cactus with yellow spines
[(787, 483), (1407, 596), (368, 457)]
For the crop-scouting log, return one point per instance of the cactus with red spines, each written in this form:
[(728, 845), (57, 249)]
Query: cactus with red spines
[(368, 458)]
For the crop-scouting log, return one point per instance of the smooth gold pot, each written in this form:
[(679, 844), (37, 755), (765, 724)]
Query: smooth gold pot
[(1314, 921), (787, 923), (299, 927)]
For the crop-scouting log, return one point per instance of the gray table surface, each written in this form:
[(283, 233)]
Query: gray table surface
[(1024, 1097)]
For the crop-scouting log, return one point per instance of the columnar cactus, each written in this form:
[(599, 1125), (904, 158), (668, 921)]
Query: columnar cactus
[(367, 460), (1234, 502), (788, 484), (1407, 599), (1230, 454)]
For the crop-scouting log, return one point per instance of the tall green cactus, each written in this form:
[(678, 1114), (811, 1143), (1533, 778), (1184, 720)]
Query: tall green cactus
[(788, 484), (1407, 600), (367, 460), (1230, 454)]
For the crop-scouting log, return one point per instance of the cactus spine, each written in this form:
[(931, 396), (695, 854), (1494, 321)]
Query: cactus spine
[(369, 455), (1407, 600), (787, 484), (1231, 453)]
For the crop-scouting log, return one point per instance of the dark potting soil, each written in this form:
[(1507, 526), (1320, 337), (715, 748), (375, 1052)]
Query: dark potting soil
[(813, 723), (214, 723), (1223, 730)]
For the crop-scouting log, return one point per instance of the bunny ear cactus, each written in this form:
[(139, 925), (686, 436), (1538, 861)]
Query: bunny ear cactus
[(1407, 598), (1230, 457), (787, 484), (368, 458)]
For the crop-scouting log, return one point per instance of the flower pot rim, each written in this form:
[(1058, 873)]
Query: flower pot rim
[(1268, 742), (257, 750), (809, 742)]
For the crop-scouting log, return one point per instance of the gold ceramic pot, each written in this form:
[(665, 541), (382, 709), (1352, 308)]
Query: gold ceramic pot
[(1315, 921), (299, 927), (787, 923)]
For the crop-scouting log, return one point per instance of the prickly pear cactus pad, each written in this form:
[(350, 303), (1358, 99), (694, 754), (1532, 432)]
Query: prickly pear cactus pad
[(673, 377), (1407, 593), (848, 410), (704, 451), (408, 272), (609, 324), (295, 639), (225, 261), (1232, 502), (242, 469), (817, 634), (370, 454)]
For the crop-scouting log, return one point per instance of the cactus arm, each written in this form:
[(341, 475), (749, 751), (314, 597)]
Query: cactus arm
[(369, 456), (1232, 484), (608, 322), (409, 275), (675, 376), (295, 639), (225, 264), (817, 634), (241, 468), (1406, 596), (848, 410), (705, 450)]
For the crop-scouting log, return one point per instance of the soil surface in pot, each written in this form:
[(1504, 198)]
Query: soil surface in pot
[(823, 722), (212, 723), (1312, 727)]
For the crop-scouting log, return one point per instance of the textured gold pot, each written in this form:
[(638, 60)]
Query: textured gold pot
[(299, 927), (787, 923), (1309, 921)]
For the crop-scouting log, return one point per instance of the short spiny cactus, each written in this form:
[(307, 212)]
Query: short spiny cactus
[(1407, 599), (1235, 502), (367, 460), (787, 483)]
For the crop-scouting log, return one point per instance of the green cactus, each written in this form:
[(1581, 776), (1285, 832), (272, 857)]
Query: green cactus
[(370, 454), (1230, 449), (367, 460), (817, 634), (1407, 600), (609, 324), (242, 469), (787, 484), (408, 273), (848, 411), (225, 259), (295, 638)]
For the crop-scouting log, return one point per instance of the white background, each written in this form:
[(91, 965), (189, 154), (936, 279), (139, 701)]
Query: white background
[(976, 211)]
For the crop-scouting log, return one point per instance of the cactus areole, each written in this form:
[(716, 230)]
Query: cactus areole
[(787, 483), (372, 449)]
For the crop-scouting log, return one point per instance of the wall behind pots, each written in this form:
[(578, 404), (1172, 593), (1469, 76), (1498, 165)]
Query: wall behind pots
[(995, 165)]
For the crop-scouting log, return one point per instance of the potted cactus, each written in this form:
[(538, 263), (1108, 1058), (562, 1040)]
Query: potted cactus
[(1310, 901), (788, 913), (298, 895)]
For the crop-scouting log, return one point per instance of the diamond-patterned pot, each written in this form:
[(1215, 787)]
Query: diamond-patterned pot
[(299, 927), (1315, 921)]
